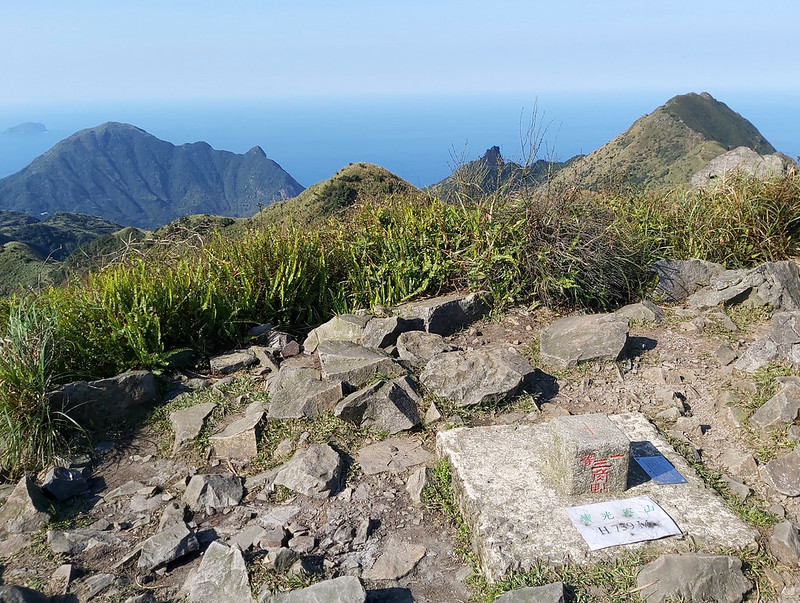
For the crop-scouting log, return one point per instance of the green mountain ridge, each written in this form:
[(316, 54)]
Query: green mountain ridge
[(123, 174), (667, 146)]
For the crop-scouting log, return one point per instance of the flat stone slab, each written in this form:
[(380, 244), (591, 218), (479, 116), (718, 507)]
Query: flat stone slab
[(394, 455), (518, 517)]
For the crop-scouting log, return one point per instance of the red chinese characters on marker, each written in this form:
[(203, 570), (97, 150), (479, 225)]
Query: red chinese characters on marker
[(601, 468)]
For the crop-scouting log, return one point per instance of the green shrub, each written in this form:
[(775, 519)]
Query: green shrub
[(31, 432)]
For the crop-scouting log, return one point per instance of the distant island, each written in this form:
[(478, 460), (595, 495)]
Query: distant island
[(29, 128)]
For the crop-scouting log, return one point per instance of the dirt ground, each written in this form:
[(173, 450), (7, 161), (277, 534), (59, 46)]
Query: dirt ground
[(672, 366)]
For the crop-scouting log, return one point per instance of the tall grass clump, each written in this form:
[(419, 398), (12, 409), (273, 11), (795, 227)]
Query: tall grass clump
[(31, 431), (128, 314), (738, 222)]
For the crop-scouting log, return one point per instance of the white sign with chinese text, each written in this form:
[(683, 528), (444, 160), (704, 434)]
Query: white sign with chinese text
[(619, 522)]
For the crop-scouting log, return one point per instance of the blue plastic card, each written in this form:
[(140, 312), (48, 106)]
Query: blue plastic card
[(660, 469)]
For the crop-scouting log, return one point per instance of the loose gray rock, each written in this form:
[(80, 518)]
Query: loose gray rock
[(393, 455), (345, 589), (173, 543), (417, 482), (418, 347), (354, 364), (783, 473), (476, 377), (60, 579), (314, 472), (693, 577), (213, 491), (239, 440), (573, 339), (94, 585), (677, 279), (299, 392), (780, 410), (645, 311), (87, 403), (448, 314), (383, 332), (225, 364), (26, 509), (62, 483), (221, 577), (773, 284), (21, 594), (346, 327), (397, 560), (76, 541), (384, 406), (187, 423), (280, 559), (549, 593), (785, 543)]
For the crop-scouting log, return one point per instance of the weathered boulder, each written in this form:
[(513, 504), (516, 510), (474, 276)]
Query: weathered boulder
[(573, 339), (314, 472), (213, 491), (62, 483), (172, 543), (107, 402), (383, 332), (354, 364), (221, 577), (785, 543), (783, 473), (476, 377), (780, 410), (773, 284), (11, 593), (448, 314), (384, 406), (741, 161), (549, 593), (239, 440), (187, 423), (418, 347), (346, 327), (693, 577), (225, 364), (780, 343), (26, 509), (678, 279), (394, 455), (344, 589), (299, 392)]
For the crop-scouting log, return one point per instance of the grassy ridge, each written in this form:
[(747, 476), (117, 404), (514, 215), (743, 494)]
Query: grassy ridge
[(560, 248)]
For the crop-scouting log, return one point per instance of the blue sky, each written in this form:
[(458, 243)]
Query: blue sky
[(85, 50)]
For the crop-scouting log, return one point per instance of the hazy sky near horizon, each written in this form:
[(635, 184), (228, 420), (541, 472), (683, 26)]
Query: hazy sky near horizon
[(95, 50)]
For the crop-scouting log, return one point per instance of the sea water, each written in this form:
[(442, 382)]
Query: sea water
[(421, 139)]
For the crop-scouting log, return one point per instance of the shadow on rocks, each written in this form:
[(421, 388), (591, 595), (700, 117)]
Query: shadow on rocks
[(390, 595)]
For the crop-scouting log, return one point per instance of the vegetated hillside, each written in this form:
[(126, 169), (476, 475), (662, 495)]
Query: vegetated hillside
[(32, 249), (122, 173), (491, 173), (666, 147), (353, 183), (56, 236)]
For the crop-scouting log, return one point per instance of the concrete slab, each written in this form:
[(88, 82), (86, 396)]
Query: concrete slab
[(516, 515)]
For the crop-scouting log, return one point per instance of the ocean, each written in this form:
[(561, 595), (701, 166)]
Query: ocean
[(421, 139)]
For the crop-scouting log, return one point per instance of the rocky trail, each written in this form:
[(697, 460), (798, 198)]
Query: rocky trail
[(289, 472)]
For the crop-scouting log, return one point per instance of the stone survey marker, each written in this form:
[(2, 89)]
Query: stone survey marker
[(589, 455), (502, 477)]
